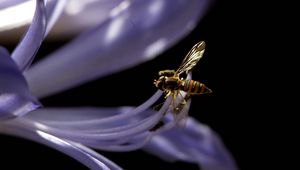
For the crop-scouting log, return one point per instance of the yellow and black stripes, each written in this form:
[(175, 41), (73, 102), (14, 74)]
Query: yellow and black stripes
[(193, 87)]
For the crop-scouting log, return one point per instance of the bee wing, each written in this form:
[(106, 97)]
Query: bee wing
[(192, 58)]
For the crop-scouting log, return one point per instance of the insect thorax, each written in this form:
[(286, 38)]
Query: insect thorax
[(171, 83)]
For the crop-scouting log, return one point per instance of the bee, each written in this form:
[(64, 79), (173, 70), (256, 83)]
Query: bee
[(172, 84)]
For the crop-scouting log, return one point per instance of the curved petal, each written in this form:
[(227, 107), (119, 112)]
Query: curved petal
[(15, 98), (43, 20), (133, 144), (23, 128), (80, 15), (113, 129), (82, 118), (54, 9), (135, 32), (9, 3), (30, 43), (119, 117), (196, 143)]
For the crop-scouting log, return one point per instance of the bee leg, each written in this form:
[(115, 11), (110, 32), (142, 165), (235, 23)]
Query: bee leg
[(183, 99), (182, 102), (176, 108), (172, 105), (158, 106), (167, 94)]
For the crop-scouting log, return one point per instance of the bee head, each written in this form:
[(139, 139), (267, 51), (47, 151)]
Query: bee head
[(160, 83)]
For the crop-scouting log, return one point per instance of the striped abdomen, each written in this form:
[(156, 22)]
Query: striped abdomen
[(193, 87)]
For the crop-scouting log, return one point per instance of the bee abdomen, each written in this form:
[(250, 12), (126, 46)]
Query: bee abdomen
[(192, 86)]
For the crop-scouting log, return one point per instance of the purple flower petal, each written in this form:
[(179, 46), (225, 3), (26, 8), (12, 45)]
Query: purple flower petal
[(28, 46), (81, 15), (8, 3), (135, 33), (103, 122), (92, 117), (115, 127), (54, 9), (24, 128), (43, 21), (112, 129), (196, 143), (134, 143), (15, 98)]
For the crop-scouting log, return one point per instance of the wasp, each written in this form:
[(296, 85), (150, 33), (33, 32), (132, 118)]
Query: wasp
[(172, 84)]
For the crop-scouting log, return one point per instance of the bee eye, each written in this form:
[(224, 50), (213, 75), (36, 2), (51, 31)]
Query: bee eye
[(163, 79), (159, 85)]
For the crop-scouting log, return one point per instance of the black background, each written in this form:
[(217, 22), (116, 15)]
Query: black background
[(228, 110)]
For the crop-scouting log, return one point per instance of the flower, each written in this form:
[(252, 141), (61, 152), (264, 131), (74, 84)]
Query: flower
[(131, 33)]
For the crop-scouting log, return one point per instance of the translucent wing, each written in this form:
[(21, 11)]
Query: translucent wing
[(192, 58)]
